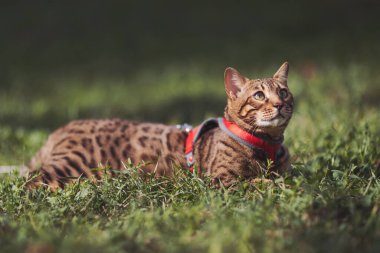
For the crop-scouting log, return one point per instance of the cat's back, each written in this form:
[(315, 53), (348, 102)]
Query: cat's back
[(85, 135), (81, 145)]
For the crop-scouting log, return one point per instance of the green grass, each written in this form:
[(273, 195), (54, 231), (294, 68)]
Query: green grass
[(328, 203)]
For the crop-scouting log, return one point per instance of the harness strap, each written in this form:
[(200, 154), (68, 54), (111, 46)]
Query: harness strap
[(272, 149), (193, 136), (249, 140)]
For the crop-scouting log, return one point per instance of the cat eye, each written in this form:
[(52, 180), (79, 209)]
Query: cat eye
[(283, 93), (259, 95)]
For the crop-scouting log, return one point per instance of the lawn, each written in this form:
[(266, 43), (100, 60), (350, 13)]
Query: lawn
[(59, 63), (329, 202)]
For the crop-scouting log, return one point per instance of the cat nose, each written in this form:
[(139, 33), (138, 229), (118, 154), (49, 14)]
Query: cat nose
[(278, 105)]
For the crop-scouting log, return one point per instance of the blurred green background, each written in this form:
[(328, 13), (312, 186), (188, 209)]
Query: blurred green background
[(164, 60)]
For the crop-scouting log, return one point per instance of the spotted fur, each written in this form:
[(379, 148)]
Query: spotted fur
[(80, 148), (226, 160)]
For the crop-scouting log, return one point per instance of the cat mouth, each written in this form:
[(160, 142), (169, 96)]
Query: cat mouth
[(278, 117), (277, 121)]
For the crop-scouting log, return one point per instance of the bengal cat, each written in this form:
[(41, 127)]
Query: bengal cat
[(259, 108)]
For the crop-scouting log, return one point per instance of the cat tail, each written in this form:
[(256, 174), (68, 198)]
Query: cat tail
[(22, 169)]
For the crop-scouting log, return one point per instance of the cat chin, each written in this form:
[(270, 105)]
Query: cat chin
[(277, 122)]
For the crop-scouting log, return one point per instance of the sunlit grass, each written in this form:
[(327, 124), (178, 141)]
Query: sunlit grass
[(328, 203)]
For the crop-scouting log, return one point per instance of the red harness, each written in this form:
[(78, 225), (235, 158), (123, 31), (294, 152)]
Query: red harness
[(271, 149)]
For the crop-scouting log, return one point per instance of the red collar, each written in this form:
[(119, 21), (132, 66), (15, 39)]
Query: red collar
[(235, 132), (250, 140)]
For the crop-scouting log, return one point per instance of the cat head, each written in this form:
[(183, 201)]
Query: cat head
[(260, 106)]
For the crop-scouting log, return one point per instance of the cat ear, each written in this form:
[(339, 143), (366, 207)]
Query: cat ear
[(282, 73), (233, 82)]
